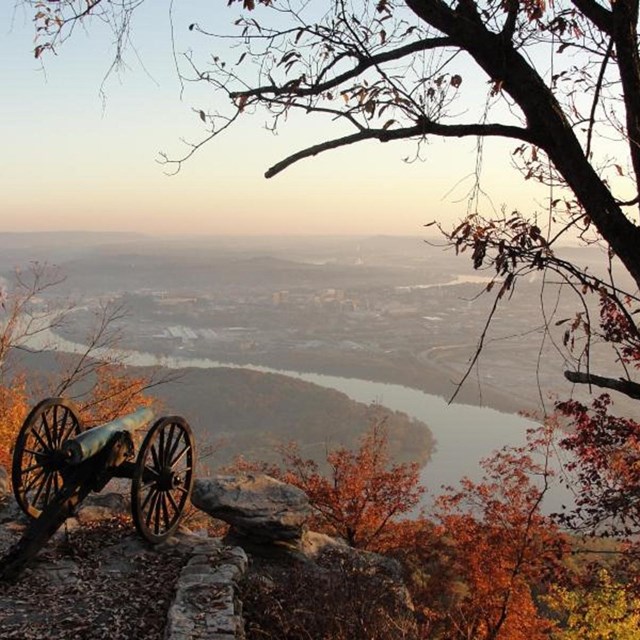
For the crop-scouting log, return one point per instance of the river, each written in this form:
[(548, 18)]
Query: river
[(464, 433)]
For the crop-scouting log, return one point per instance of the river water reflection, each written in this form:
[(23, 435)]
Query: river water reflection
[(464, 434)]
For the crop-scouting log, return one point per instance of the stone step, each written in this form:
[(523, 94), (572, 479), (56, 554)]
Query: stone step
[(206, 605)]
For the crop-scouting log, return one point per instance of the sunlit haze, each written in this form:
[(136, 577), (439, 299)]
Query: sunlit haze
[(72, 160)]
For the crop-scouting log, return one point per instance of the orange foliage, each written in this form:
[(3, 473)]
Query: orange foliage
[(491, 550), (362, 495), (13, 410), (114, 393), (475, 570)]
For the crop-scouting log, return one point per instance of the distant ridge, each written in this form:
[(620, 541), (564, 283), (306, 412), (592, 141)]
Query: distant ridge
[(18, 239), (19, 248)]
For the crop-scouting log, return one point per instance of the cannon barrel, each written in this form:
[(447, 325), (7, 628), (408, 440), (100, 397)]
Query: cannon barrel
[(91, 442)]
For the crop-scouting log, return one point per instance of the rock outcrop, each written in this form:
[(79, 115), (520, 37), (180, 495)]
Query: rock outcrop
[(326, 589), (200, 586), (382, 573), (257, 507)]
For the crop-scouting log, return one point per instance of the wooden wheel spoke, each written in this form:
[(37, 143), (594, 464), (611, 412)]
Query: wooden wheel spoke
[(40, 489), (154, 455), (179, 457), (161, 449), (54, 426), (29, 460), (30, 469), (58, 424), (148, 498), (156, 522), (150, 470), (47, 492), (34, 480), (67, 430), (165, 511), (169, 445), (173, 502), (32, 452), (45, 447), (146, 472), (176, 444), (47, 432), (152, 505), (57, 427)]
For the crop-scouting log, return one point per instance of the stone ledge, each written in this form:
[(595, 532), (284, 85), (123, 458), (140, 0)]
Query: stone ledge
[(205, 604)]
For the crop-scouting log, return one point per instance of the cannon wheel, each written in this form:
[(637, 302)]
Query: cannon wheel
[(37, 457), (163, 478)]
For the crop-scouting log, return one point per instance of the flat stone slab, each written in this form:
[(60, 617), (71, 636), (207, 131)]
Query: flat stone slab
[(256, 506)]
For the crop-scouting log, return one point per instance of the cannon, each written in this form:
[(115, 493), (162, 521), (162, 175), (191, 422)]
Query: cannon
[(57, 463)]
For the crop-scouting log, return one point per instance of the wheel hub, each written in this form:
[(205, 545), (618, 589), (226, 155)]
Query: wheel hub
[(169, 480), (51, 461)]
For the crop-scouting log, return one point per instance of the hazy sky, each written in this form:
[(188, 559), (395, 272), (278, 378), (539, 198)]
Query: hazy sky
[(71, 162)]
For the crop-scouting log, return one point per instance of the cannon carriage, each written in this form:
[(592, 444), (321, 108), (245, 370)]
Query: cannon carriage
[(57, 463)]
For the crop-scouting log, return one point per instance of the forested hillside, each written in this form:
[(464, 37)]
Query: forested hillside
[(250, 413)]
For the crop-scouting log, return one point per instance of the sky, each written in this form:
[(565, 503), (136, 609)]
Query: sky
[(72, 160)]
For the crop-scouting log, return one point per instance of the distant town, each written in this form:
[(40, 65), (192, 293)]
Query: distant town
[(395, 310)]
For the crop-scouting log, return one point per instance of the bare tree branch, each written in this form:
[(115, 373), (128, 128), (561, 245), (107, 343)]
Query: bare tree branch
[(596, 96), (426, 127), (505, 64), (627, 387), (365, 63)]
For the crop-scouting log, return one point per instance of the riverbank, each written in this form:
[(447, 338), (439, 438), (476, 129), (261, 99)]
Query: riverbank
[(406, 369)]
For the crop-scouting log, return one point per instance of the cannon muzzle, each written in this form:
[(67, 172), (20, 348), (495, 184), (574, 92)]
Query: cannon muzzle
[(91, 442)]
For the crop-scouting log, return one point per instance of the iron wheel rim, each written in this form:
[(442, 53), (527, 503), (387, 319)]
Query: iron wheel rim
[(163, 478), (36, 472)]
